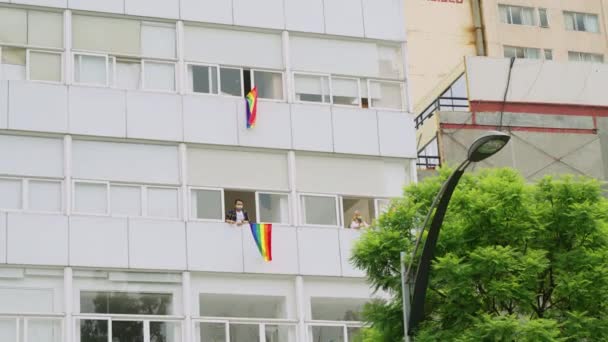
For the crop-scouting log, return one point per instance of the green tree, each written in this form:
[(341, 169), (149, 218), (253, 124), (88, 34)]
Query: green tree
[(514, 261)]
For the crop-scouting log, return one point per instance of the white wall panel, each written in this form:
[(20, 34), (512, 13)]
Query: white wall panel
[(397, 134), (306, 16), (211, 11), (344, 17), (125, 162), (348, 238), (272, 129), (98, 111), (31, 156), (319, 251), (383, 19), (98, 242), (48, 3), (284, 252), (312, 127), (157, 244), (215, 247), (154, 116), (355, 131), (267, 13), (111, 6), (3, 104), (396, 176), (48, 112), (2, 238), (237, 169), (210, 119), (153, 8), (37, 239)]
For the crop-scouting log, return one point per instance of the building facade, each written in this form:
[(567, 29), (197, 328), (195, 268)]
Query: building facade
[(123, 142)]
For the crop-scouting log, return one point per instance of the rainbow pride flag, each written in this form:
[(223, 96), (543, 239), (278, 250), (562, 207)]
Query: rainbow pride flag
[(251, 103), (262, 234)]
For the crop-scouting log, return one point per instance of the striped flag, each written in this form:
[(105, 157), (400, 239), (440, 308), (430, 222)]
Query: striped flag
[(251, 103), (262, 234)]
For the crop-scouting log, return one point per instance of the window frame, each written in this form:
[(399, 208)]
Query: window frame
[(144, 204), (303, 73), (283, 90), (289, 210), (142, 199), (401, 90), (51, 52), (575, 27), (377, 201), (112, 85), (26, 193), (142, 76), (337, 200), (108, 207), (196, 219), (331, 87), (219, 81), (525, 50), (23, 194), (510, 8), (540, 21), (106, 56), (189, 89)]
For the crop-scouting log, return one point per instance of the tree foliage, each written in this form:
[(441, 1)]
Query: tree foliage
[(514, 261)]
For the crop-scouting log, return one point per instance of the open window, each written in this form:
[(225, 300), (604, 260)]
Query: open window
[(365, 207), (248, 198), (319, 210)]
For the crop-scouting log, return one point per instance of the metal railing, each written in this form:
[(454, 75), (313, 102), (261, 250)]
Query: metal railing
[(442, 103), (145, 328), (227, 329), (338, 331), (428, 162)]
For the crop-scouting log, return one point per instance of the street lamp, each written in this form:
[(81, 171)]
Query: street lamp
[(482, 148)]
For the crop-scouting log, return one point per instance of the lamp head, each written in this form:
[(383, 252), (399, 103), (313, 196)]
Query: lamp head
[(487, 145)]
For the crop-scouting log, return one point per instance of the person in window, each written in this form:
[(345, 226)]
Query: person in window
[(238, 215), (358, 222)]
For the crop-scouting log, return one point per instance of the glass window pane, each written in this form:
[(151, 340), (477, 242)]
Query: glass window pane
[(44, 196), (528, 17), (516, 15), (165, 332), (92, 330), (591, 23), (354, 334), (11, 193), (274, 208), (548, 54), (386, 95), (279, 333), (203, 79), (504, 14), (206, 204), (230, 79), (128, 73), (319, 210), (383, 206), (127, 331), (337, 309), (509, 52), (569, 21), (269, 84), (44, 330), (45, 66), (532, 53), (125, 200), (311, 88), (328, 334), (211, 332), (127, 303), (244, 333), (8, 329), (90, 198), (345, 91), (13, 25), (158, 40), (159, 76), (90, 69), (45, 29), (249, 306), (579, 22), (163, 202), (544, 20), (13, 63)]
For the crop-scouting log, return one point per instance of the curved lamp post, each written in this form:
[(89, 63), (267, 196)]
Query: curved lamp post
[(482, 148)]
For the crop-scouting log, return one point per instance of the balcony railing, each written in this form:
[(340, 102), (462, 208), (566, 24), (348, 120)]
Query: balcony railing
[(339, 331), (443, 103), (223, 329), (146, 328)]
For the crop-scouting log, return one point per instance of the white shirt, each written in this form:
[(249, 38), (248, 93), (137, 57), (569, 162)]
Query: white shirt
[(240, 216)]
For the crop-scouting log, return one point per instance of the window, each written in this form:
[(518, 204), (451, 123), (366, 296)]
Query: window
[(517, 15), (44, 196), (163, 202), (206, 204), (11, 190), (365, 207), (521, 52), (345, 312), (548, 54), (12, 63), (382, 206), (312, 88), (386, 95), (126, 303), (159, 75), (91, 198), (231, 81), (125, 200), (581, 22), (345, 91), (273, 208), (543, 18), (574, 56), (126, 73), (249, 202), (269, 84), (44, 66), (202, 79), (319, 210), (91, 69)]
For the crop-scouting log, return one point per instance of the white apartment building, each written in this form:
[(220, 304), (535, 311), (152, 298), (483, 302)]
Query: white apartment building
[(123, 142)]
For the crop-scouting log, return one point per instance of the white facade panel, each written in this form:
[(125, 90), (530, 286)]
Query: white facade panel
[(305, 16), (344, 17), (397, 134), (319, 251), (348, 238), (272, 129), (153, 8), (355, 131), (267, 13), (226, 47), (47, 113), (98, 111), (140, 163), (210, 119), (47, 3), (37, 239), (31, 156), (109, 6), (3, 238), (396, 176), (227, 168), (284, 252), (154, 116), (3, 104), (215, 247), (383, 19), (157, 244), (210, 11), (98, 242), (312, 128)]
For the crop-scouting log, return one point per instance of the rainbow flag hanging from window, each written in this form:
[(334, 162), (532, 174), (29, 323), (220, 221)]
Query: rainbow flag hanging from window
[(262, 234), (251, 103)]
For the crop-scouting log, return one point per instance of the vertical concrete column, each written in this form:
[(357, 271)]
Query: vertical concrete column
[(186, 295), (291, 167), (183, 168), (68, 304), (68, 61), (301, 307), (181, 72), (67, 174), (287, 80)]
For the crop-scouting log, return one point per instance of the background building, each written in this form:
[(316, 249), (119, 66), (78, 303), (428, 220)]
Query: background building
[(123, 142)]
